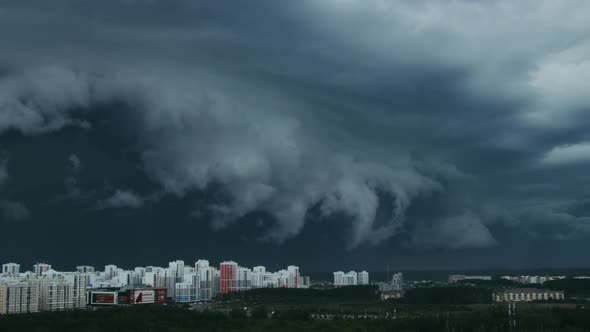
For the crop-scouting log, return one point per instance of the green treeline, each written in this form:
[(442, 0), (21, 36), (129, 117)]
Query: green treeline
[(361, 294), (447, 295), (572, 287), (174, 319), (350, 294)]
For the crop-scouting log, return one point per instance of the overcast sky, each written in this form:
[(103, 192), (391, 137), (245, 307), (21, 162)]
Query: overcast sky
[(329, 134)]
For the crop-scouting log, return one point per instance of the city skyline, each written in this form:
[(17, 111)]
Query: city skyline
[(46, 289)]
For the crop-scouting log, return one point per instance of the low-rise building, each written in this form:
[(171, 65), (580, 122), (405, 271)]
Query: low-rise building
[(389, 295), (142, 295), (103, 297), (526, 295)]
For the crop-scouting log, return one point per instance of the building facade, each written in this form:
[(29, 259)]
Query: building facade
[(19, 298), (227, 282), (10, 269), (40, 268), (363, 278)]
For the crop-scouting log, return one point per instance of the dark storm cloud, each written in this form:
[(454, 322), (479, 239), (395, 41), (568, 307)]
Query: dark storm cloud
[(3, 171), (121, 199), (75, 162), (13, 211), (361, 108), (10, 211)]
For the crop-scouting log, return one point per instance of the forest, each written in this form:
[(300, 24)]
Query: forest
[(456, 308)]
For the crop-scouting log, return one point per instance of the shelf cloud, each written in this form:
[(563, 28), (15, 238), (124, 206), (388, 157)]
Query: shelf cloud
[(346, 110)]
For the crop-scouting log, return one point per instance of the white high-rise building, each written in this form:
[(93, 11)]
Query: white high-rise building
[(185, 292), (216, 282), (123, 278), (136, 276), (154, 277), (169, 279), (40, 268), (201, 264), (305, 282), (10, 269), (363, 278), (174, 274), (338, 278), (188, 290), (177, 270), (19, 297), (350, 279), (77, 291), (85, 269), (55, 295), (397, 282), (110, 271), (139, 271), (293, 277), (51, 274), (258, 276), (243, 279), (206, 276)]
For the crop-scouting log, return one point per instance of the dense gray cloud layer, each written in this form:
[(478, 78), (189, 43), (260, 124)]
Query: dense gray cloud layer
[(121, 199), (355, 107), (13, 211), (10, 211), (3, 171)]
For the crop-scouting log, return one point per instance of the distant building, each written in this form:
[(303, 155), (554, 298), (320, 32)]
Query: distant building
[(206, 282), (397, 282), (186, 292), (532, 279), (293, 280), (177, 270), (338, 278), (351, 278), (363, 278), (216, 282), (77, 290), (388, 295), (526, 295), (305, 282), (10, 269), (40, 268), (243, 279), (19, 298), (228, 271), (201, 264), (56, 295), (459, 277), (110, 271), (258, 276), (85, 269)]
